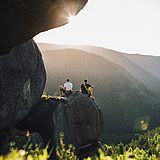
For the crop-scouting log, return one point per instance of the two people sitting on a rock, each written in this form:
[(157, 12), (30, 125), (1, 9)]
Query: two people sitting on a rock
[(87, 88), (66, 89)]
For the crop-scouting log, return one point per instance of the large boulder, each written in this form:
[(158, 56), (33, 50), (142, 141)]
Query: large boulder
[(22, 80), (77, 116), (22, 19)]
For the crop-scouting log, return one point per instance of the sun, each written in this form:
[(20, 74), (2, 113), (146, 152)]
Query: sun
[(71, 18)]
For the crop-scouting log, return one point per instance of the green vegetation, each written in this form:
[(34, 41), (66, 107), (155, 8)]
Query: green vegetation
[(65, 153), (26, 154), (47, 97), (146, 147)]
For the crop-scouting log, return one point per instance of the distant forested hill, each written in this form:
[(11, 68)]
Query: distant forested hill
[(128, 105), (144, 68), (149, 63)]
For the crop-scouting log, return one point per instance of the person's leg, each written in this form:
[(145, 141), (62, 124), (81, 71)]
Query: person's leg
[(61, 90), (68, 93)]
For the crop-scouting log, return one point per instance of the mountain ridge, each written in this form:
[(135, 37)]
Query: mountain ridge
[(138, 71)]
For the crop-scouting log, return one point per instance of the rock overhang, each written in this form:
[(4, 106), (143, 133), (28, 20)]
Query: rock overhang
[(21, 20)]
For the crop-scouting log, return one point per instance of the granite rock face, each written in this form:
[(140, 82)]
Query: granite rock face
[(21, 20), (22, 80)]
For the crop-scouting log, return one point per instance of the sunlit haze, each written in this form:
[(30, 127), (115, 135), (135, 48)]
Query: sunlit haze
[(130, 26)]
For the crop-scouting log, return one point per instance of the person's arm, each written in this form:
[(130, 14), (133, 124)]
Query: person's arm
[(91, 86), (65, 86), (72, 86), (81, 88)]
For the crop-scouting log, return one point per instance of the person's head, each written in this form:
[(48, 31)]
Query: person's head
[(85, 80), (67, 80)]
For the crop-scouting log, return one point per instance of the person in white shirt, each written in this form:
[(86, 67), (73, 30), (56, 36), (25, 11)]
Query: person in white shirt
[(67, 89)]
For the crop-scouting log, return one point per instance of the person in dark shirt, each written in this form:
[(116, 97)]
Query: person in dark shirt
[(87, 88)]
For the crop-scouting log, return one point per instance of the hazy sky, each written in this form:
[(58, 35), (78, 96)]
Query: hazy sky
[(131, 26)]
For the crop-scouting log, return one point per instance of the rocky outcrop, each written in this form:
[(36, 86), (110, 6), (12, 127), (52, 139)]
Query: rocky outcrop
[(49, 118), (88, 121), (87, 118), (22, 80), (78, 117), (22, 19)]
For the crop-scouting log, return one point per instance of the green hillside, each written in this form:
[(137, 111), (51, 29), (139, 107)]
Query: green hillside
[(128, 106)]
